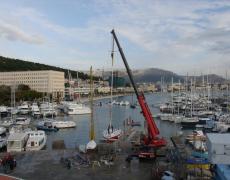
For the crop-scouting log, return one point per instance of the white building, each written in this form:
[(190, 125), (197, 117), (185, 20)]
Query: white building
[(47, 81)]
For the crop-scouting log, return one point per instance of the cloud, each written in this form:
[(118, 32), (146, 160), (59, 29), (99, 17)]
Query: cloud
[(14, 33)]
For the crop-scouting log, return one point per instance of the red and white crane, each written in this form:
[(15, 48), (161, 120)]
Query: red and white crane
[(152, 139)]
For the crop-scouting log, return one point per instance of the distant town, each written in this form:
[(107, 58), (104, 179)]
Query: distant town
[(55, 83)]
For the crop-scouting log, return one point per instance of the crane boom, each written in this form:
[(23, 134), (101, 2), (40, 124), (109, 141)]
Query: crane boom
[(153, 132)]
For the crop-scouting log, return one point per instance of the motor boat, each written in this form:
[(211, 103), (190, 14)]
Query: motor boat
[(3, 111), (7, 123), (22, 121), (3, 142), (189, 122), (36, 140), (76, 108), (23, 109), (47, 126), (48, 109), (124, 103), (64, 124), (35, 111), (12, 110), (2, 130), (57, 124)]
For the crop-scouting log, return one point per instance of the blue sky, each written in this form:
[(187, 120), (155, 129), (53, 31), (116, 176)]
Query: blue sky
[(182, 36)]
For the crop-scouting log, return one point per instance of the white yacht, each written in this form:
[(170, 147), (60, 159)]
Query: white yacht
[(48, 109), (166, 116), (22, 121), (7, 123), (23, 109), (3, 142), (58, 124), (76, 108), (64, 124), (12, 110), (36, 140), (2, 130), (3, 111), (189, 122), (35, 111), (124, 103)]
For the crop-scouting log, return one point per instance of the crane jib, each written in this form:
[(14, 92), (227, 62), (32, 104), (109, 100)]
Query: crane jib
[(153, 131)]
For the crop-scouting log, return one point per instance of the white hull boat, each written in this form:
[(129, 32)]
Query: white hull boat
[(3, 142), (91, 145), (124, 103), (64, 124), (23, 109), (166, 117), (22, 121), (35, 112), (36, 140), (77, 109), (7, 123), (2, 130), (58, 124), (112, 135)]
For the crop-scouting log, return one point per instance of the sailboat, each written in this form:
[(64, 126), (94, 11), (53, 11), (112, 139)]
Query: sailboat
[(91, 144), (111, 134)]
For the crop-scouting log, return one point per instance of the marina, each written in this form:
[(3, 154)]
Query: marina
[(129, 120), (75, 108)]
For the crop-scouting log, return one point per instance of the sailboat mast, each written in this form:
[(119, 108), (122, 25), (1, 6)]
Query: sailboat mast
[(111, 90), (172, 97), (92, 134)]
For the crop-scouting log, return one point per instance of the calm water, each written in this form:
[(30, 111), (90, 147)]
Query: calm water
[(80, 135)]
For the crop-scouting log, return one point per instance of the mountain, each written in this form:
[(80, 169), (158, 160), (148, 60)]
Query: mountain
[(212, 78), (156, 75), (10, 64)]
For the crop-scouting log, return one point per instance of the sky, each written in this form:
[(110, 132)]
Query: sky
[(191, 36)]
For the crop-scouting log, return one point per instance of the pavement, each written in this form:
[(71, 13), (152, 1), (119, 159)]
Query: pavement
[(46, 165)]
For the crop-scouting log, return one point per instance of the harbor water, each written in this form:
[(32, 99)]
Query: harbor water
[(80, 135)]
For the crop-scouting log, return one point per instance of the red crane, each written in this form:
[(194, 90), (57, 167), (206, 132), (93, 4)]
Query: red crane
[(152, 139)]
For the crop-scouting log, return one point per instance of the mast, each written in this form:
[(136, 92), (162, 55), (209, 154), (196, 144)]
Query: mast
[(111, 89), (92, 134), (191, 98), (172, 97), (178, 108)]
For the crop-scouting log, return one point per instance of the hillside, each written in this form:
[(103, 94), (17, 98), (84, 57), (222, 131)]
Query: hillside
[(155, 75), (10, 64), (212, 78)]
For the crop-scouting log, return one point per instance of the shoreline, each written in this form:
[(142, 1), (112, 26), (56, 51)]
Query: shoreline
[(84, 100)]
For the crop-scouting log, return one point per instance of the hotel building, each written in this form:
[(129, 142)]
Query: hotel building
[(46, 81)]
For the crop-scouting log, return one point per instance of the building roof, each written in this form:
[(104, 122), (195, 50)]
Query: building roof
[(218, 138)]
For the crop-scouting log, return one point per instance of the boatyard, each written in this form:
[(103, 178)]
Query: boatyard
[(89, 113), (118, 137)]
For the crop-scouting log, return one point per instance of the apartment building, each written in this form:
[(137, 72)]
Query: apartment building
[(46, 81)]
